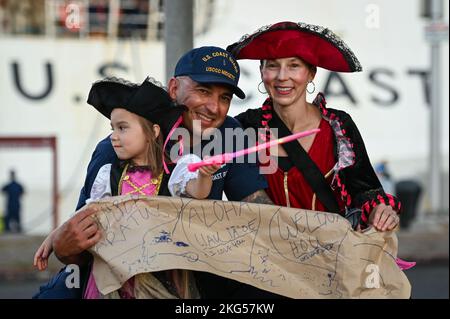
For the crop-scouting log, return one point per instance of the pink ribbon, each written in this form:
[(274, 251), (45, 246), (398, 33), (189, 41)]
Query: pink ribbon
[(174, 127)]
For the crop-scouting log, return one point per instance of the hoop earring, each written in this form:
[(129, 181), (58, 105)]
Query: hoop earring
[(314, 87), (259, 89)]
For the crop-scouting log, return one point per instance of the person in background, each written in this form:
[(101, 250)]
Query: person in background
[(13, 192), (385, 177)]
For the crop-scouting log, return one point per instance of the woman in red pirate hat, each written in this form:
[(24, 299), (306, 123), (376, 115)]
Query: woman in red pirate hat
[(329, 171)]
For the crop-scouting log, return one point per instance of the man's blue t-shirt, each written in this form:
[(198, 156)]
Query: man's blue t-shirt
[(236, 180)]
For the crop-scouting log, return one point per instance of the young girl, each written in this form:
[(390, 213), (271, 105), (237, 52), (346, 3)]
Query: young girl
[(140, 115)]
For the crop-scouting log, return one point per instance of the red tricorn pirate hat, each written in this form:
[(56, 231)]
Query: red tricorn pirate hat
[(315, 45)]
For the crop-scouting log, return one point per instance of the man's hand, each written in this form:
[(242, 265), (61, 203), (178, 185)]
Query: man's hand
[(383, 218), (76, 235)]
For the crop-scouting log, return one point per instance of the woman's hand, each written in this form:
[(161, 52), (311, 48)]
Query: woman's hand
[(383, 218)]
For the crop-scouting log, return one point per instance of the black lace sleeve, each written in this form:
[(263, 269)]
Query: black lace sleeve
[(362, 182)]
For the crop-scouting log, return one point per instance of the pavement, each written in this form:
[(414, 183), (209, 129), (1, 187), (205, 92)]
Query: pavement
[(16, 258), (425, 241)]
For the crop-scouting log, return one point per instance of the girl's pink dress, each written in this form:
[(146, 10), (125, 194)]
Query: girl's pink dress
[(136, 182)]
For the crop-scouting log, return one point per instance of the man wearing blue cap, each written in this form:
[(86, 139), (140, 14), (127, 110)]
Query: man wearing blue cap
[(205, 80), (200, 74)]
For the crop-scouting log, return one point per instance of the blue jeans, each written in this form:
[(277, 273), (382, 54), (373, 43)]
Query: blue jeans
[(56, 288)]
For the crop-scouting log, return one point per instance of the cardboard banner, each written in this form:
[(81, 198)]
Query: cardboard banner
[(292, 252)]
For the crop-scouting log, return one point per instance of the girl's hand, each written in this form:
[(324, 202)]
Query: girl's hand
[(384, 218), (208, 170), (42, 254)]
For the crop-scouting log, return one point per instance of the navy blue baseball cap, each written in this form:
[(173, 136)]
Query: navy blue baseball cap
[(210, 65)]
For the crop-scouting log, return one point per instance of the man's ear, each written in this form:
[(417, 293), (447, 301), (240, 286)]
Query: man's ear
[(173, 87), (156, 130)]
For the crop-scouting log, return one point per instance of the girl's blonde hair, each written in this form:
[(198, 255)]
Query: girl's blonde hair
[(155, 147)]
